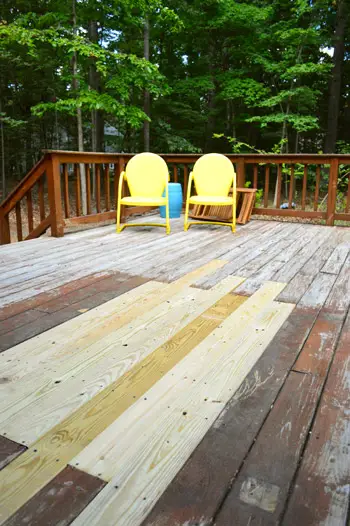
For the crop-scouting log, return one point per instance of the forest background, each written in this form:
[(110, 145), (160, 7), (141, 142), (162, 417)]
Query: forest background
[(183, 76)]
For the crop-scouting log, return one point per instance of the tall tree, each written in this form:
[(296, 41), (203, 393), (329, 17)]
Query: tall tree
[(336, 77), (147, 100)]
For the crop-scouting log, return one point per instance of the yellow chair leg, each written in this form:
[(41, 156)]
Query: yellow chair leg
[(119, 229), (234, 217), (186, 224), (167, 214)]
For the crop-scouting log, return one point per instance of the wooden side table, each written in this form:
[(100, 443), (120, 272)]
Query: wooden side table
[(245, 204)]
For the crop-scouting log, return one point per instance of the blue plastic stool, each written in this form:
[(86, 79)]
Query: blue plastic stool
[(175, 201)]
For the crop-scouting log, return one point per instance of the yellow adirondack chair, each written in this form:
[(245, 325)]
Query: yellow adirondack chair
[(213, 175), (147, 176)]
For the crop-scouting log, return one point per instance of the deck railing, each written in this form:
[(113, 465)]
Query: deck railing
[(51, 195)]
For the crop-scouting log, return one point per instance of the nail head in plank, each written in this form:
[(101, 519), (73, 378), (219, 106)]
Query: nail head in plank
[(200, 487)]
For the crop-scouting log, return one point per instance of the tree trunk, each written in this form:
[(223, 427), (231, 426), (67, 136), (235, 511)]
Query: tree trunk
[(335, 84), (97, 119), (79, 119), (147, 97), (3, 177)]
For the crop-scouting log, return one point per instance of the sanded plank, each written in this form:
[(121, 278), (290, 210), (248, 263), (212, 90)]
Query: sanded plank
[(274, 266), (111, 288), (337, 259), (97, 262), (288, 271), (234, 327), (243, 254), (60, 501), (73, 376), (339, 298), (42, 462), (319, 290), (297, 287), (262, 486), (324, 474), (200, 487), (9, 450), (176, 420), (60, 338), (113, 314)]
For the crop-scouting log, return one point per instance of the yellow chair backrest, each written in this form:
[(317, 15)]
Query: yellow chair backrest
[(213, 175), (147, 175)]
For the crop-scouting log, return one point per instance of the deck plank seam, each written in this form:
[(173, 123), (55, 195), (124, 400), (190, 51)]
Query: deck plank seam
[(230, 486), (317, 406)]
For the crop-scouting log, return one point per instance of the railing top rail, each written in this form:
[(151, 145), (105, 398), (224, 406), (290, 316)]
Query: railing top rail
[(248, 156), (10, 197)]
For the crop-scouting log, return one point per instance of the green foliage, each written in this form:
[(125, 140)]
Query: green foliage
[(255, 70)]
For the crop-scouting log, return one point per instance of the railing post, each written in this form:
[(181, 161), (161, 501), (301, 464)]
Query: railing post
[(240, 173), (54, 191), (332, 191), (5, 235)]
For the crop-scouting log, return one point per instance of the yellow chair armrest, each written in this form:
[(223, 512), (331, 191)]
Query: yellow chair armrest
[(189, 185), (122, 178)]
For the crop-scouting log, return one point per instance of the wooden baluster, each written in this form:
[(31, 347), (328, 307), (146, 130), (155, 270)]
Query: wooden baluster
[(303, 197), (98, 188), (30, 211), (291, 186), (175, 174), (77, 189), (19, 221), (317, 187), (88, 189), (66, 190), (107, 188), (348, 196), (41, 199), (185, 182), (332, 191), (279, 186), (267, 185), (255, 176), (240, 168)]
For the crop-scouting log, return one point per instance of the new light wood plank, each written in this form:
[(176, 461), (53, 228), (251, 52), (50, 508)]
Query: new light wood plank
[(235, 328), (45, 397), (50, 454), (26, 356), (174, 420), (126, 307)]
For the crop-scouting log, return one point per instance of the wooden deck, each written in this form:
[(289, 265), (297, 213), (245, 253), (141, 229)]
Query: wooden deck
[(192, 379)]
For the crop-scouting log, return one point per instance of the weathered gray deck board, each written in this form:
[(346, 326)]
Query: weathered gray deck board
[(260, 251)]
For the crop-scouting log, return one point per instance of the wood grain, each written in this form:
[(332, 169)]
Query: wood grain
[(262, 486), (177, 419), (200, 487), (42, 399), (9, 450), (60, 501), (51, 453), (324, 474)]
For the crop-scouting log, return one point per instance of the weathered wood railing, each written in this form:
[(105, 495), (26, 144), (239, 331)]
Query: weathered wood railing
[(308, 185)]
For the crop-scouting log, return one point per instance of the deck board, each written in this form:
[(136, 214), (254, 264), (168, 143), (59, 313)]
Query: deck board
[(290, 388)]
